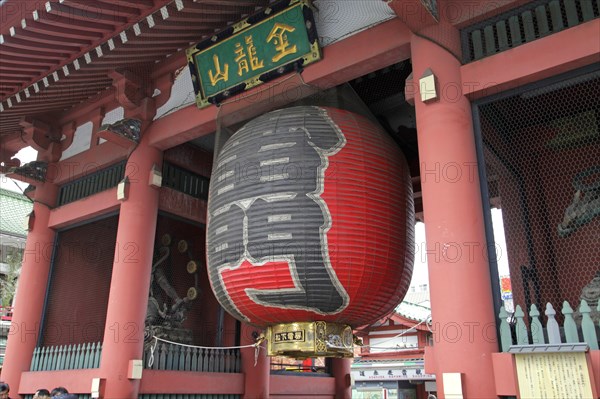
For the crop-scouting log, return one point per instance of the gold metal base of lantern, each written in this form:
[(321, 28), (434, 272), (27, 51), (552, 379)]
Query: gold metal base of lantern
[(310, 339)]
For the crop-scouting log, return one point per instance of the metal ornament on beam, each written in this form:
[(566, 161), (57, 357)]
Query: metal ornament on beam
[(310, 339), (278, 40)]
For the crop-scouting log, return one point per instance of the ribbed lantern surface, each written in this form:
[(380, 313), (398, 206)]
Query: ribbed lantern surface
[(310, 218)]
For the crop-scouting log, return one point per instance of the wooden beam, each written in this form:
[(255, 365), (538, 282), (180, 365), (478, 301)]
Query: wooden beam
[(362, 53), (533, 61)]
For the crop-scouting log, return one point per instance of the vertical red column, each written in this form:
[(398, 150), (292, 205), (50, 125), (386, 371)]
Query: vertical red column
[(340, 368), (461, 299), (257, 376), (31, 293), (128, 298)]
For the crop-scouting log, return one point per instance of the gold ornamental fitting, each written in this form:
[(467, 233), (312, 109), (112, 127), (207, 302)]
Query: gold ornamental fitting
[(310, 339), (191, 267), (192, 293), (165, 240), (182, 246)]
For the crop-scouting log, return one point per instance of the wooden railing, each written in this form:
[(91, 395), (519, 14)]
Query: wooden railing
[(66, 357), (522, 25), (91, 184), (164, 357), (517, 332), (182, 358), (185, 181)]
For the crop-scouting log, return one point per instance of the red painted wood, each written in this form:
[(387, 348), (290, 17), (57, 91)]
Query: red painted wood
[(594, 365), (256, 367), (75, 313), (533, 61), (89, 161), (13, 11), (191, 158), (104, 9), (398, 323), (30, 297), (73, 30), (76, 381), (347, 59), (405, 354), (458, 13), (116, 138), (461, 299), (340, 368), (505, 374), (300, 387), (71, 27), (429, 358), (391, 335), (87, 208), (128, 298), (80, 113), (187, 382), (180, 204)]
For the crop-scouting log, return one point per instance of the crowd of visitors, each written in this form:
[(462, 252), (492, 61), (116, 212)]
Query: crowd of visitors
[(56, 393)]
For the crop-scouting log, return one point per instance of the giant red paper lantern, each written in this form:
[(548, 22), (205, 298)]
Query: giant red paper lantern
[(310, 219)]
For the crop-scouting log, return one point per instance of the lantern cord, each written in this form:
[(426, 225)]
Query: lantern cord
[(152, 348), (427, 321), (257, 345)]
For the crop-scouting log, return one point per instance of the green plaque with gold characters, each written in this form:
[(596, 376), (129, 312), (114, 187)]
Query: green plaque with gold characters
[(281, 38)]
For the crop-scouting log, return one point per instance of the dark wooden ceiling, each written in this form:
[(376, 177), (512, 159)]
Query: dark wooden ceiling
[(58, 54)]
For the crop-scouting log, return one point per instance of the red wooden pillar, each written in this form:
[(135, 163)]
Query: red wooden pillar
[(128, 298), (31, 293), (461, 298), (257, 376), (340, 368)]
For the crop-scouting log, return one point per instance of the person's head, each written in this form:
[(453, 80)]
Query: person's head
[(41, 394), (59, 391), (4, 390)]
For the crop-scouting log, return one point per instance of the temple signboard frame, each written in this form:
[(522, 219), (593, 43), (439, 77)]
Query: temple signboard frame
[(277, 40)]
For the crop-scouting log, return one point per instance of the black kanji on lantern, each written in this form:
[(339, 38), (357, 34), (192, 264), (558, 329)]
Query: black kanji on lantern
[(265, 207)]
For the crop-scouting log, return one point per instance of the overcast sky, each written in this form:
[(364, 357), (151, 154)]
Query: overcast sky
[(26, 155)]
